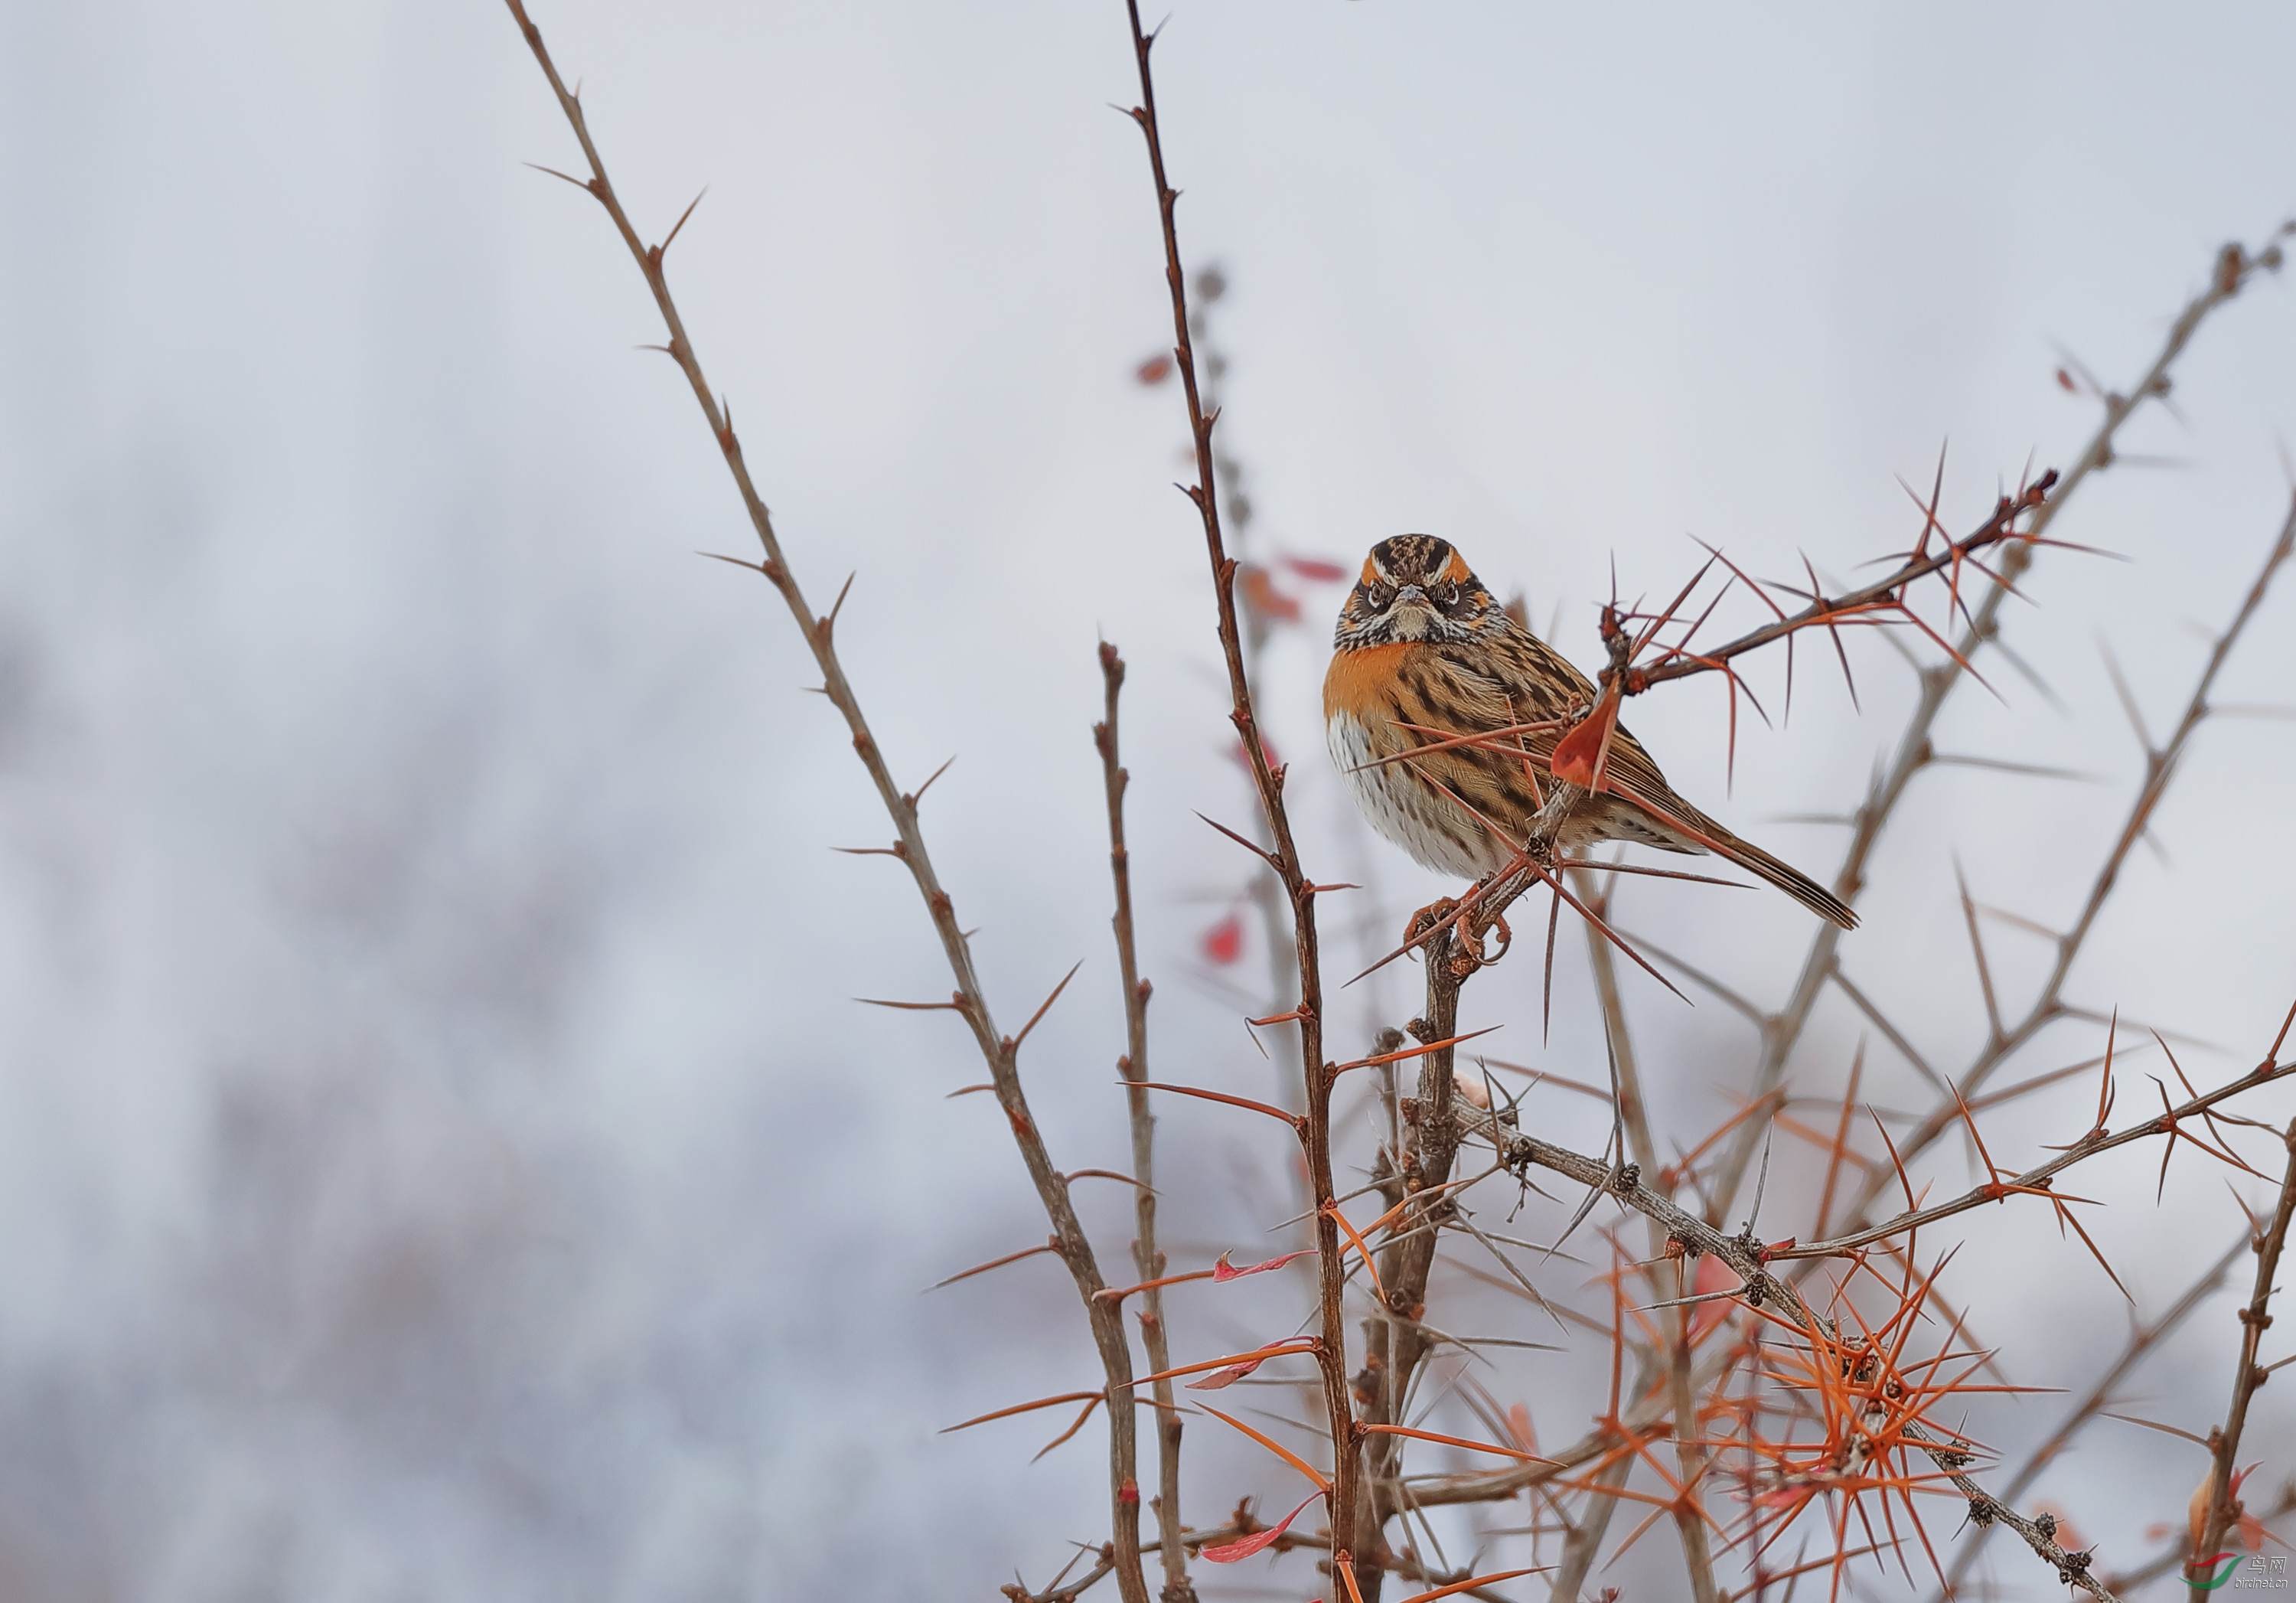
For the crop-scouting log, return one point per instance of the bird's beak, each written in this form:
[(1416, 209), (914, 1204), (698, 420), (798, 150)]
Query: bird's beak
[(1408, 593)]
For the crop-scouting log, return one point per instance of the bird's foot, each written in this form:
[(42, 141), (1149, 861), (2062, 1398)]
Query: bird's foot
[(1428, 919)]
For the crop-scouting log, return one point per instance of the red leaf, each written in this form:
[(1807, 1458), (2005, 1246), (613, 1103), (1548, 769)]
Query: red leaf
[(1713, 1276), (1242, 754), (1224, 941), (1260, 593), (1576, 752), (2065, 380), (1220, 1379), (1225, 1271), (1155, 370), (1316, 568), (1244, 1547), (1518, 1427)]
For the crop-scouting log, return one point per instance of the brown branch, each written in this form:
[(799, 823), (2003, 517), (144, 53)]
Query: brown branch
[(2036, 1179), (1674, 1323), (1747, 1256), (2231, 272), (1147, 1257), (1266, 894), (1395, 1341), (1315, 1124), (1064, 1590), (2161, 767), (1242, 1524), (2141, 1342), (1584, 1542), (1885, 596), (1000, 1052), (2224, 1442)]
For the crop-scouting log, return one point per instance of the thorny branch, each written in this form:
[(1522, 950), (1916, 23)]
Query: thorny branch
[(1747, 1258), (2224, 1442), (2036, 1180), (2161, 765), (1001, 1052), (2142, 1340), (1147, 1257), (1674, 1323), (1437, 1120), (2232, 270), (1876, 602), (1317, 1076)]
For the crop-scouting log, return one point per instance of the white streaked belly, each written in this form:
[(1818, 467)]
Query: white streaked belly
[(1406, 812)]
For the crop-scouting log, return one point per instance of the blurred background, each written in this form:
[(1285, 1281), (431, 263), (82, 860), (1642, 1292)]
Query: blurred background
[(437, 1155)]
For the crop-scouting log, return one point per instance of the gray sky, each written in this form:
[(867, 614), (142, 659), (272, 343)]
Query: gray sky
[(437, 1156)]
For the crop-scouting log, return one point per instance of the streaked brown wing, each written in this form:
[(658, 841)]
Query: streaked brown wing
[(1538, 676)]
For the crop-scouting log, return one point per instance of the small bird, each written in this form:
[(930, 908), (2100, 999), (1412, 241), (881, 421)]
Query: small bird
[(1421, 643)]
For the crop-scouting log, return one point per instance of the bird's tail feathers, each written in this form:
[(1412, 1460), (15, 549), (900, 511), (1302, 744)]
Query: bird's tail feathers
[(1786, 877)]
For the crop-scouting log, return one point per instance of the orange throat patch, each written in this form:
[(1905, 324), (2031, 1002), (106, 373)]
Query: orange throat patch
[(1360, 683)]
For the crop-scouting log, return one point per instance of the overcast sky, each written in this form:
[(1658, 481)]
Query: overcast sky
[(437, 1158)]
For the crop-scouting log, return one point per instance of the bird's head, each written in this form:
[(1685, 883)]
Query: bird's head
[(1415, 587)]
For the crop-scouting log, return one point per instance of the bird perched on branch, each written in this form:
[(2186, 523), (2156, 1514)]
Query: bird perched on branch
[(1445, 715)]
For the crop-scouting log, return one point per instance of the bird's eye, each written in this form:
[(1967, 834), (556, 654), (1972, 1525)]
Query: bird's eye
[(1447, 594), (1379, 595)]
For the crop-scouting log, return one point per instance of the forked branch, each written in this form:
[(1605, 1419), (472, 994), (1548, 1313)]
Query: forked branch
[(1147, 1257), (1001, 1053), (2230, 272), (1317, 1076)]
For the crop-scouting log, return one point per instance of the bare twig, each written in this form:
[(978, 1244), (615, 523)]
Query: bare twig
[(2231, 272), (1002, 1053), (1674, 1323), (1875, 602), (2142, 1340), (2223, 1442), (1146, 1256), (2036, 1180), (1583, 1543), (1317, 1077), (2160, 769), (1749, 1259)]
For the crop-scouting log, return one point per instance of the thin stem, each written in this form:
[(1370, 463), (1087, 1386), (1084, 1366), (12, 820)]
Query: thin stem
[(1001, 1053), (2224, 1444), (2162, 767), (1584, 1543), (2233, 268), (1147, 1257), (1749, 1259), (2037, 1178), (2141, 1342), (1317, 1074), (1674, 1323)]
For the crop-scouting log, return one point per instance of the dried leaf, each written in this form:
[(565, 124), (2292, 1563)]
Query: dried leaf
[(1518, 1419), (1225, 1271), (1713, 1275), (1224, 941), (1260, 594), (1220, 1379), (1244, 1547)]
